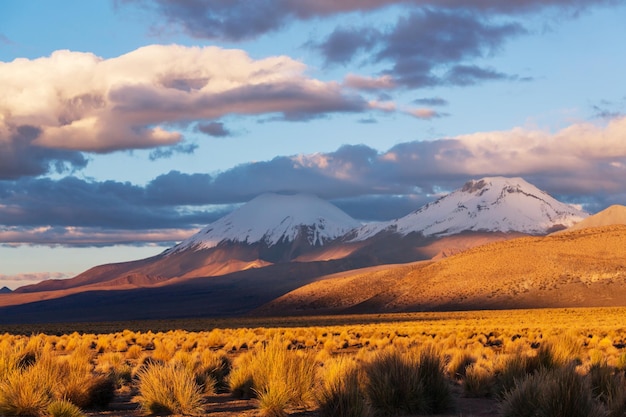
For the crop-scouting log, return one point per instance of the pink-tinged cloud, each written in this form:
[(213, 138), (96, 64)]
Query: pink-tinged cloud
[(19, 280), (81, 102), (86, 236), (358, 82), (424, 113)]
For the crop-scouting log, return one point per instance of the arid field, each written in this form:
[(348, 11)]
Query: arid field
[(555, 362)]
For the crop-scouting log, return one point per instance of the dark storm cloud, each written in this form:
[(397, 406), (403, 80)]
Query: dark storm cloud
[(245, 19), (75, 202), (215, 129), (20, 157), (341, 46), (423, 44)]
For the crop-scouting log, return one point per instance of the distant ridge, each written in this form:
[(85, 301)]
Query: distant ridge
[(615, 214), (5, 290)]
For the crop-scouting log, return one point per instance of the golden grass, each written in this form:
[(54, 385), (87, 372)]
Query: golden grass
[(169, 388), (316, 362)]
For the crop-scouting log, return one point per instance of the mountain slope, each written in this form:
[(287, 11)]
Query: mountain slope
[(615, 214), (572, 269), (494, 204), (269, 229), (274, 218)]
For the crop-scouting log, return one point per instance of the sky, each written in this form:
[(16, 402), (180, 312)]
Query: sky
[(127, 125)]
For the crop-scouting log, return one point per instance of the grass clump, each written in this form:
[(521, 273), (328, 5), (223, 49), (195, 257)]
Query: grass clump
[(609, 388), (169, 388), (399, 383), (64, 408), (278, 377), (478, 381), (282, 378), (551, 392), (340, 393)]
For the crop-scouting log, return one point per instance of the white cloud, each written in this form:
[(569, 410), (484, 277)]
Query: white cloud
[(79, 101)]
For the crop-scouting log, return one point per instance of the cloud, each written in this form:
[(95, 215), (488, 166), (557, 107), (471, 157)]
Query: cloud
[(345, 42), (471, 74), (169, 151), (215, 129), (427, 47), (243, 19), (358, 82), (91, 237), (425, 114), (583, 163), (21, 156), (19, 280), (431, 101), (84, 103)]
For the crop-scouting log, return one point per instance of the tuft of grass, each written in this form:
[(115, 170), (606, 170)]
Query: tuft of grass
[(278, 377), (431, 372), (213, 369), (64, 408), (397, 383), (282, 378), (340, 393), (459, 364), (392, 385), (26, 392), (478, 381), (609, 388), (169, 388), (241, 378), (551, 392)]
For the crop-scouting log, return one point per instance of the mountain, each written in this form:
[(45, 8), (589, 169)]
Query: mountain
[(271, 219), (269, 229), (495, 204), (581, 268), (5, 290), (615, 214), (275, 244)]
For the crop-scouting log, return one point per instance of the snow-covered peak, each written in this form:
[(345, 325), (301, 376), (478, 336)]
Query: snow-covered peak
[(495, 204), (274, 218)]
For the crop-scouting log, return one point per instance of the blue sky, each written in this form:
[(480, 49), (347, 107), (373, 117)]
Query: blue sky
[(126, 125)]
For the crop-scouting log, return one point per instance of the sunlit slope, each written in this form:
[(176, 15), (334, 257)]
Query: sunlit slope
[(579, 268), (615, 214)]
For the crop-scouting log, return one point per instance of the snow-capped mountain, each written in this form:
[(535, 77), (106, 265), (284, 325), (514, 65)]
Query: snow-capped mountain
[(495, 204), (274, 218)]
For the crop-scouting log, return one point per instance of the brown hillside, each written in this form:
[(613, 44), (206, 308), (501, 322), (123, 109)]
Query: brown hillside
[(615, 214), (578, 268)]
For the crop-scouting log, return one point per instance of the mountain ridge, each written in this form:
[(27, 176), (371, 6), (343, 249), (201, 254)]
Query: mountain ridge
[(494, 204), (288, 241)]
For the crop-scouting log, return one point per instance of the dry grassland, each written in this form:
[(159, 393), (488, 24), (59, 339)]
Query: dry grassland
[(464, 363)]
